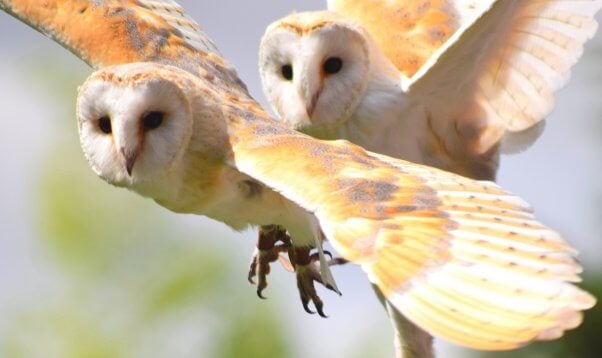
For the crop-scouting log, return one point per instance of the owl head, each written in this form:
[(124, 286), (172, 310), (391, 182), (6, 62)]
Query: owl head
[(314, 67), (134, 122)]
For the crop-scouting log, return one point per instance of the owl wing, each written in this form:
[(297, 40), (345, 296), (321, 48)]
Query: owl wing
[(436, 244), (111, 32), (410, 31), (463, 259), (494, 79)]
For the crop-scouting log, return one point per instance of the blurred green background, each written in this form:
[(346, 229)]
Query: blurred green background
[(87, 270)]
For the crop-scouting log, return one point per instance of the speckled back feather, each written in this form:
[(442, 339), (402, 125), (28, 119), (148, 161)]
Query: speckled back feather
[(409, 31)]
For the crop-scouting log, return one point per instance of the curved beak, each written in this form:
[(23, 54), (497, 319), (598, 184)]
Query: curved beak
[(311, 104), (128, 138), (309, 87), (130, 159)]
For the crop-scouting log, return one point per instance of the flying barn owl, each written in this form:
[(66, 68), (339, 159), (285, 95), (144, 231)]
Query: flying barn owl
[(165, 116), (489, 81), (444, 83)]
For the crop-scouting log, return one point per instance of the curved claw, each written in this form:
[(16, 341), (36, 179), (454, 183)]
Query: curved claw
[(252, 272), (305, 304), (260, 293), (306, 276), (265, 253), (316, 256), (329, 286), (320, 307), (337, 261)]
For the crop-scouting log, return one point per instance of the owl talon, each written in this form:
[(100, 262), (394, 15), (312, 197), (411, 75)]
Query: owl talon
[(308, 272), (260, 295), (306, 276), (316, 256), (331, 262), (305, 303), (337, 261), (267, 251)]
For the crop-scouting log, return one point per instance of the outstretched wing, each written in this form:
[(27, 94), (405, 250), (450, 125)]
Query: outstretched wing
[(496, 76), (410, 31), (436, 244), (111, 32), (463, 259)]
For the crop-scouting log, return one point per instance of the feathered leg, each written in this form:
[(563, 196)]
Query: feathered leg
[(410, 341)]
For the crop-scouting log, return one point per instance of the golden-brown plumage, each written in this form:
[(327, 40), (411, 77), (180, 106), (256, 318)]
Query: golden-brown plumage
[(435, 243), (421, 26), (408, 224), (125, 31), (449, 83)]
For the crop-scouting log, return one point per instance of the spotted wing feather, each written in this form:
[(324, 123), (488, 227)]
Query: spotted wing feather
[(175, 16), (424, 236), (111, 32), (463, 259)]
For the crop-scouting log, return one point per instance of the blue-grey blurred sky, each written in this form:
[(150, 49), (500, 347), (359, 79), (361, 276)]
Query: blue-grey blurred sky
[(560, 175)]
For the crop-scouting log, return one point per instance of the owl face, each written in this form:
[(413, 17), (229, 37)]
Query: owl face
[(133, 123), (313, 69)]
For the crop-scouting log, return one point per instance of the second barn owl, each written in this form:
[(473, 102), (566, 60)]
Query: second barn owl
[(444, 83), (166, 116), (488, 83)]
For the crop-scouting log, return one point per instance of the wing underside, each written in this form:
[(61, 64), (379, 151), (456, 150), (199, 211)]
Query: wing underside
[(436, 244), (488, 67), (499, 73), (425, 237)]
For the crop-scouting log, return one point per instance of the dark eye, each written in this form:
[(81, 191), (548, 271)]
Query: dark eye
[(333, 65), (287, 72), (104, 123), (152, 120)]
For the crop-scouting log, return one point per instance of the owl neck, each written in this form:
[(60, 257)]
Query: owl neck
[(376, 118)]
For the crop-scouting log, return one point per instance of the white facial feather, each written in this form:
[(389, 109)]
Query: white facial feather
[(314, 94), (437, 245), (366, 104), (363, 102), (492, 83), (183, 162), (126, 105)]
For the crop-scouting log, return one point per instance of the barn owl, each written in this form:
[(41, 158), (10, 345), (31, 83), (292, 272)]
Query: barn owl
[(443, 83), (488, 83), (165, 116)]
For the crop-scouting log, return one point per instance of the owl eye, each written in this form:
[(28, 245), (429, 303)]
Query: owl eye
[(152, 120), (287, 72), (104, 123), (332, 65)]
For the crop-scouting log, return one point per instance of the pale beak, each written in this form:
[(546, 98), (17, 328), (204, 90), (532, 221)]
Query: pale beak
[(311, 105), (130, 160), (309, 87)]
